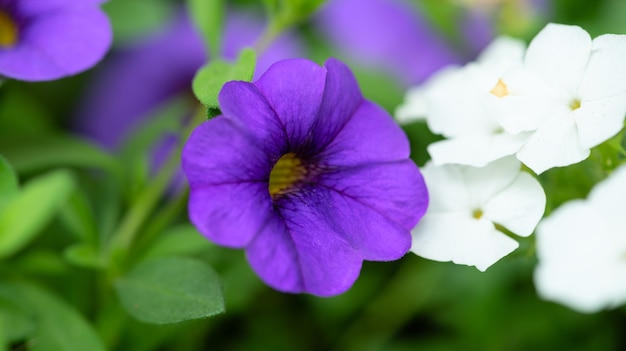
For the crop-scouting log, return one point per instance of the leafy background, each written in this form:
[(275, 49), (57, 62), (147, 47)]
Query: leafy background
[(59, 292)]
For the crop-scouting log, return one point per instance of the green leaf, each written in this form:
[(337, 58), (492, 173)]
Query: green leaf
[(78, 216), (8, 182), (208, 16), (15, 323), (58, 326), (36, 153), (26, 214), (182, 240), (171, 290), (84, 255), (209, 80)]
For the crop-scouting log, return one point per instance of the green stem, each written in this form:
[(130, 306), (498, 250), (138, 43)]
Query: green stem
[(146, 201)]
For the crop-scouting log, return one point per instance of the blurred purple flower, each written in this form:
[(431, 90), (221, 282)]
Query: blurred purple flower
[(390, 34), (306, 175), (141, 79), (50, 39)]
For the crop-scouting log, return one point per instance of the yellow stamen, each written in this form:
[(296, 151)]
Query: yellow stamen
[(575, 104), (477, 214), (286, 172), (500, 90), (8, 31)]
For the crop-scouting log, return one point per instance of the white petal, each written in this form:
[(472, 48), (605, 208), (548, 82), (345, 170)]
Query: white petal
[(476, 150), (579, 265), (599, 120), (485, 182), (460, 239), (456, 106), (414, 107), (608, 198), (446, 188), (555, 144), (518, 207), (606, 72), (502, 54), (531, 101), (560, 54)]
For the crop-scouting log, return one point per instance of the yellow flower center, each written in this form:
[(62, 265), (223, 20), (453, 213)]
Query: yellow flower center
[(575, 104), (286, 172), (500, 90), (8, 31), (477, 214)]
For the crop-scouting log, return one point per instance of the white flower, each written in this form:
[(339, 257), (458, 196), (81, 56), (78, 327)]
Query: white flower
[(582, 249), (466, 203), (457, 104), (570, 92)]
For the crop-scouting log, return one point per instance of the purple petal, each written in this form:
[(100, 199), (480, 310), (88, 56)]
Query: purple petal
[(298, 252), (294, 89), (394, 189), (342, 97), (371, 135), (256, 114), (57, 43), (220, 152), (230, 214)]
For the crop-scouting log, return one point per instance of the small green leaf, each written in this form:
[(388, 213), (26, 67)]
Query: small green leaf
[(58, 326), (181, 240), (36, 153), (209, 80), (26, 214), (208, 16), (83, 255), (8, 182), (171, 290)]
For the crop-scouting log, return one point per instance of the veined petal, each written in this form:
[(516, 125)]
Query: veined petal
[(560, 54), (461, 239), (341, 100), (606, 72), (298, 251), (295, 101), (386, 140), (220, 152), (394, 189), (519, 206), (256, 114), (555, 144), (599, 120), (476, 150), (231, 214)]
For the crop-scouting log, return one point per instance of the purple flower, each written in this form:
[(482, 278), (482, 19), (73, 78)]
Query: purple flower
[(50, 39), (306, 175)]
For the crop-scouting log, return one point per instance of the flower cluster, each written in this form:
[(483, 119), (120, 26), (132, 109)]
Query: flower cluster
[(546, 105)]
